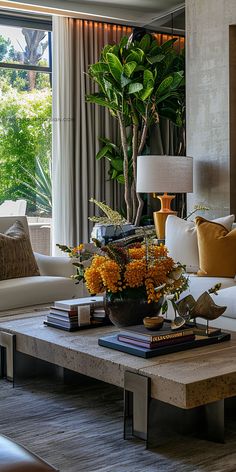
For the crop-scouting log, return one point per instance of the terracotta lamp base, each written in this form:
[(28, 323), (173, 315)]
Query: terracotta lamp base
[(161, 215)]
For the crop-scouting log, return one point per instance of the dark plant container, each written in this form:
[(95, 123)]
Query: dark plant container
[(124, 310)]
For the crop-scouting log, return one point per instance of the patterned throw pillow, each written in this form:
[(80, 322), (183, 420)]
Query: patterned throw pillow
[(16, 255)]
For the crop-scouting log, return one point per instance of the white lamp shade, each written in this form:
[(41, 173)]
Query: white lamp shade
[(164, 174)]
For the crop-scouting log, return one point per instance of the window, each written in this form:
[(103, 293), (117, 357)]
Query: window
[(25, 112)]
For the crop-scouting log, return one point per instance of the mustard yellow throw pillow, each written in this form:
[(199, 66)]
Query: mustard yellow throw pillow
[(217, 249)]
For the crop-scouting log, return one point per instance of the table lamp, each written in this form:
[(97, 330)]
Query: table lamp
[(164, 174)]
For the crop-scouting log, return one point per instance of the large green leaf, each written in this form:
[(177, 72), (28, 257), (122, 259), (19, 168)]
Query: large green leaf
[(145, 42), (140, 68), (102, 152), (107, 84), (155, 59), (120, 179), (135, 56), (124, 80), (115, 49), (109, 143), (164, 85), (178, 78), (105, 50), (117, 164), (101, 101), (98, 68), (168, 44), (114, 174), (148, 85), (135, 87), (167, 95), (129, 68), (123, 43), (147, 78), (155, 49), (126, 110), (115, 66)]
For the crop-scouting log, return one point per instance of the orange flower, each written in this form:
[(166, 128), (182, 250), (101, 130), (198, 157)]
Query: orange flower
[(135, 273), (93, 280), (137, 252), (110, 274)]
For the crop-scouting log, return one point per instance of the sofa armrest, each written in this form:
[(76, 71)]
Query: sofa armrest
[(55, 266)]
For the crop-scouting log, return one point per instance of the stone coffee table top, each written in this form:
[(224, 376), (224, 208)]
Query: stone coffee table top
[(185, 379)]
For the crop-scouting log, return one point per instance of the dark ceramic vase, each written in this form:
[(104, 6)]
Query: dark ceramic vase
[(127, 311)]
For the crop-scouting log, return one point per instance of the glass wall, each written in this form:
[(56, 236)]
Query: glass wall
[(25, 113)]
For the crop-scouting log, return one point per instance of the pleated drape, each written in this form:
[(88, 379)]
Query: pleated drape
[(77, 125)]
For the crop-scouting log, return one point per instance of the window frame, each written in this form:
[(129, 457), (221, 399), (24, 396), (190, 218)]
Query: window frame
[(30, 22)]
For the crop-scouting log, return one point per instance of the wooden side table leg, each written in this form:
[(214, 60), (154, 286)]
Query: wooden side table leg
[(215, 420), (7, 341)]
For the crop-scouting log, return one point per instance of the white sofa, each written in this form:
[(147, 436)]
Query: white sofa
[(53, 283), (197, 285)]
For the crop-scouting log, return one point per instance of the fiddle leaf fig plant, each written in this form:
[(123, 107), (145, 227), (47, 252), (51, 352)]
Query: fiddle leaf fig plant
[(137, 82)]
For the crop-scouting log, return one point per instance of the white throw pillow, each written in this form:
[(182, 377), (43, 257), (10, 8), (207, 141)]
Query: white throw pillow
[(181, 239)]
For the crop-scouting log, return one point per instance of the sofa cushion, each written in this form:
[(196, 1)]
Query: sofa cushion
[(227, 297), (181, 240), (36, 290), (16, 255), (217, 249), (198, 285)]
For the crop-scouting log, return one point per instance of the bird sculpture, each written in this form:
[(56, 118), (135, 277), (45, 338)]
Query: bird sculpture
[(204, 307)]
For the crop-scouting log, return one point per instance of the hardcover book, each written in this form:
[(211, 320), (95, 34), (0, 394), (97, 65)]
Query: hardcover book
[(64, 313), (153, 345), (76, 302), (53, 317), (139, 332)]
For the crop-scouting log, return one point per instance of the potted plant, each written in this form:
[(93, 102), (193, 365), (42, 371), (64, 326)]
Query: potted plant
[(137, 82)]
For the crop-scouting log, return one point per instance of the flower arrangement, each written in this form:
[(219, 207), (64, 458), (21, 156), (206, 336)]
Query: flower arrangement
[(124, 270), (143, 269)]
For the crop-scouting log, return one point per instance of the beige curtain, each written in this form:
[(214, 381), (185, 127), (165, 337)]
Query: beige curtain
[(77, 176)]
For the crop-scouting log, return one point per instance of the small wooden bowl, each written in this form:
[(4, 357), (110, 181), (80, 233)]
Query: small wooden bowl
[(153, 322)]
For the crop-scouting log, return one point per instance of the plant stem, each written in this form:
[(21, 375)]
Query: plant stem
[(134, 163), (140, 148), (125, 167)]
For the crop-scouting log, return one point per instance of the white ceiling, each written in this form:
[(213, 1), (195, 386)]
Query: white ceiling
[(133, 12)]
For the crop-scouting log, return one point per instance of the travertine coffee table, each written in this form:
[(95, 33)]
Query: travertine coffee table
[(188, 379)]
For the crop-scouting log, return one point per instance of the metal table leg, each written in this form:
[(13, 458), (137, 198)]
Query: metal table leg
[(7, 341), (215, 421), (136, 405)]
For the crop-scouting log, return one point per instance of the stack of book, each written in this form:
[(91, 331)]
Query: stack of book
[(140, 336), (63, 318), (98, 315), (74, 314)]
